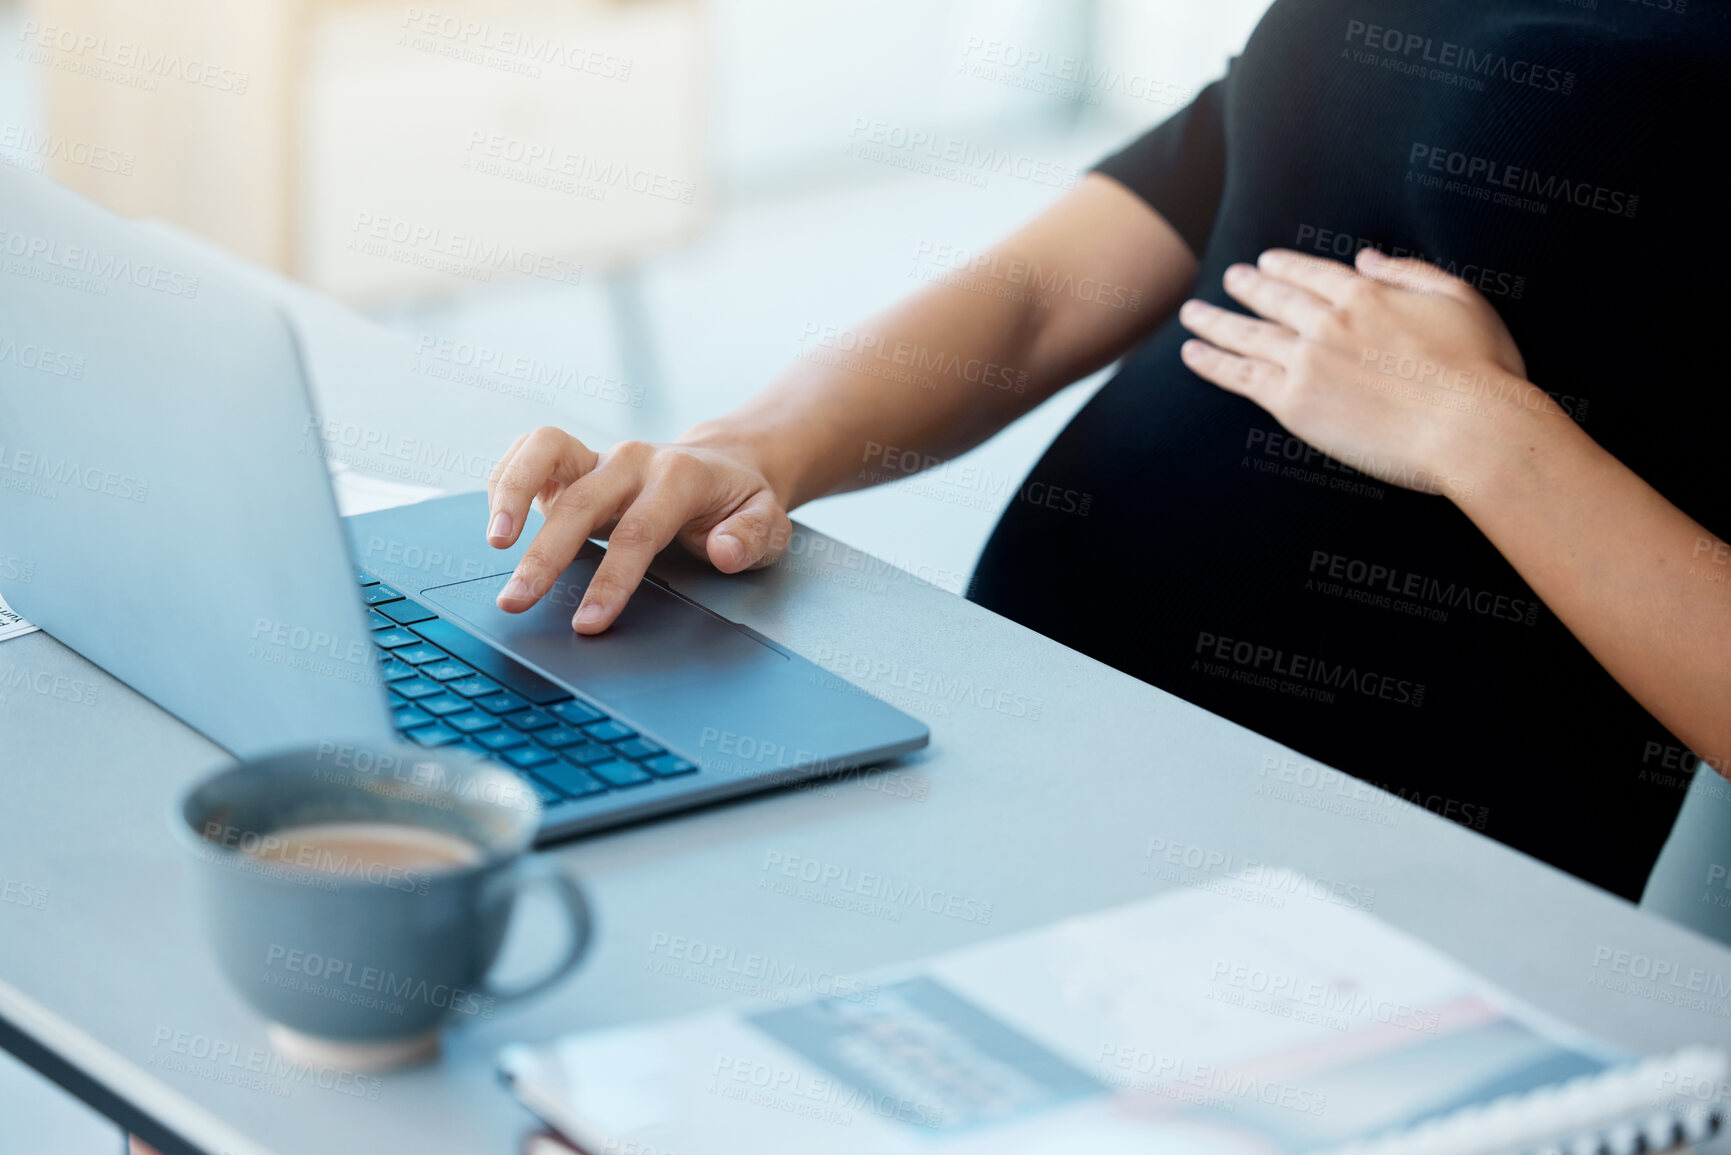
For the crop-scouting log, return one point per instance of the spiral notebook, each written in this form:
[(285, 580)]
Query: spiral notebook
[(1191, 1022)]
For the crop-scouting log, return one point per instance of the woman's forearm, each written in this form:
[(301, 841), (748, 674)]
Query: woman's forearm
[(1644, 587), (945, 368), (934, 373)]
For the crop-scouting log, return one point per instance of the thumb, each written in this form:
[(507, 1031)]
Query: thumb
[(751, 536)]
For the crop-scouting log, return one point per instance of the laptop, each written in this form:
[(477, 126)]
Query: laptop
[(161, 467)]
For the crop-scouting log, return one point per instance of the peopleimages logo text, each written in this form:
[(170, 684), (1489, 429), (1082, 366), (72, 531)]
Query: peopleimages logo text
[(370, 229), (1302, 668), (520, 45), (1494, 174), (53, 147), (75, 474), (152, 64), (54, 362), (374, 980), (1346, 246), (1393, 580), (878, 887), (94, 263), (1020, 273), (968, 156), (1448, 54)]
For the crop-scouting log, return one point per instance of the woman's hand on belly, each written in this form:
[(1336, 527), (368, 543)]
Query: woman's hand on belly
[(1393, 368), (1408, 374)]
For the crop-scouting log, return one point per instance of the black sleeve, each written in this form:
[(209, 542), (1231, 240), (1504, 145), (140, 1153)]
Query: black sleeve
[(1179, 167)]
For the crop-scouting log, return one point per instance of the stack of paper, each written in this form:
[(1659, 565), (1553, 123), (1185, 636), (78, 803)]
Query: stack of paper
[(1193, 1022)]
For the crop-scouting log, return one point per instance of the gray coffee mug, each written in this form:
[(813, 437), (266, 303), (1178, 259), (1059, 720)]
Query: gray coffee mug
[(353, 962)]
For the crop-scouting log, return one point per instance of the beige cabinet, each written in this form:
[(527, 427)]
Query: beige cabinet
[(381, 149)]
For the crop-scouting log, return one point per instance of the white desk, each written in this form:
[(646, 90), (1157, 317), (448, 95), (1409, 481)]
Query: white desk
[(1038, 816)]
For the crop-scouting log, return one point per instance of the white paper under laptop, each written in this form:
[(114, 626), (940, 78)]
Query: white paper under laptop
[(1191, 1022), (11, 625)]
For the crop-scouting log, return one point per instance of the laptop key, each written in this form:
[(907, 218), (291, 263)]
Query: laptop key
[(480, 751), (471, 721), (407, 613), (407, 717), (446, 671), (379, 621), (577, 713), (529, 720), (443, 704), (558, 737), (395, 671), (437, 734), (546, 793), (501, 703), (473, 687), (570, 779), (529, 757), (668, 765), (617, 773), (414, 688), (638, 748), (504, 738), (586, 754), (380, 594), (609, 731), (394, 638), (366, 578), (421, 655), (493, 663)]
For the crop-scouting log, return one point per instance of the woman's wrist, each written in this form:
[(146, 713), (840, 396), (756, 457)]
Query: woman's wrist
[(1520, 434), (761, 451)]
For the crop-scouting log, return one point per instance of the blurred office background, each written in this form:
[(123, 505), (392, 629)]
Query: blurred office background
[(655, 203)]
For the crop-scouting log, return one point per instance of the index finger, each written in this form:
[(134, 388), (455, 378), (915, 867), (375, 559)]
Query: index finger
[(547, 454), (643, 531), (587, 503), (1329, 280), (498, 470)]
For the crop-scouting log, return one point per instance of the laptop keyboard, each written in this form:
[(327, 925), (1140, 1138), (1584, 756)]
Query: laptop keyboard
[(449, 688)]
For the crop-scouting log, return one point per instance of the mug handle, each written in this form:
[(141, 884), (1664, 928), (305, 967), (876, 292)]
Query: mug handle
[(543, 871)]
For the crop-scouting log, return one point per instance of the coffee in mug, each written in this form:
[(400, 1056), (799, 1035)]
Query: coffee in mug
[(342, 847)]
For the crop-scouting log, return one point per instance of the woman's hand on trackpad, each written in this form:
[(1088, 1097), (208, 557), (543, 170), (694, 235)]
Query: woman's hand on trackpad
[(640, 497)]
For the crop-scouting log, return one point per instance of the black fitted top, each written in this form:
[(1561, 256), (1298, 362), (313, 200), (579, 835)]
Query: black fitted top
[(1565, 160)]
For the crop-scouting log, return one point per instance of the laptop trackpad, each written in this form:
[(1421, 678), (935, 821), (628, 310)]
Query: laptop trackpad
[(659, 641)]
